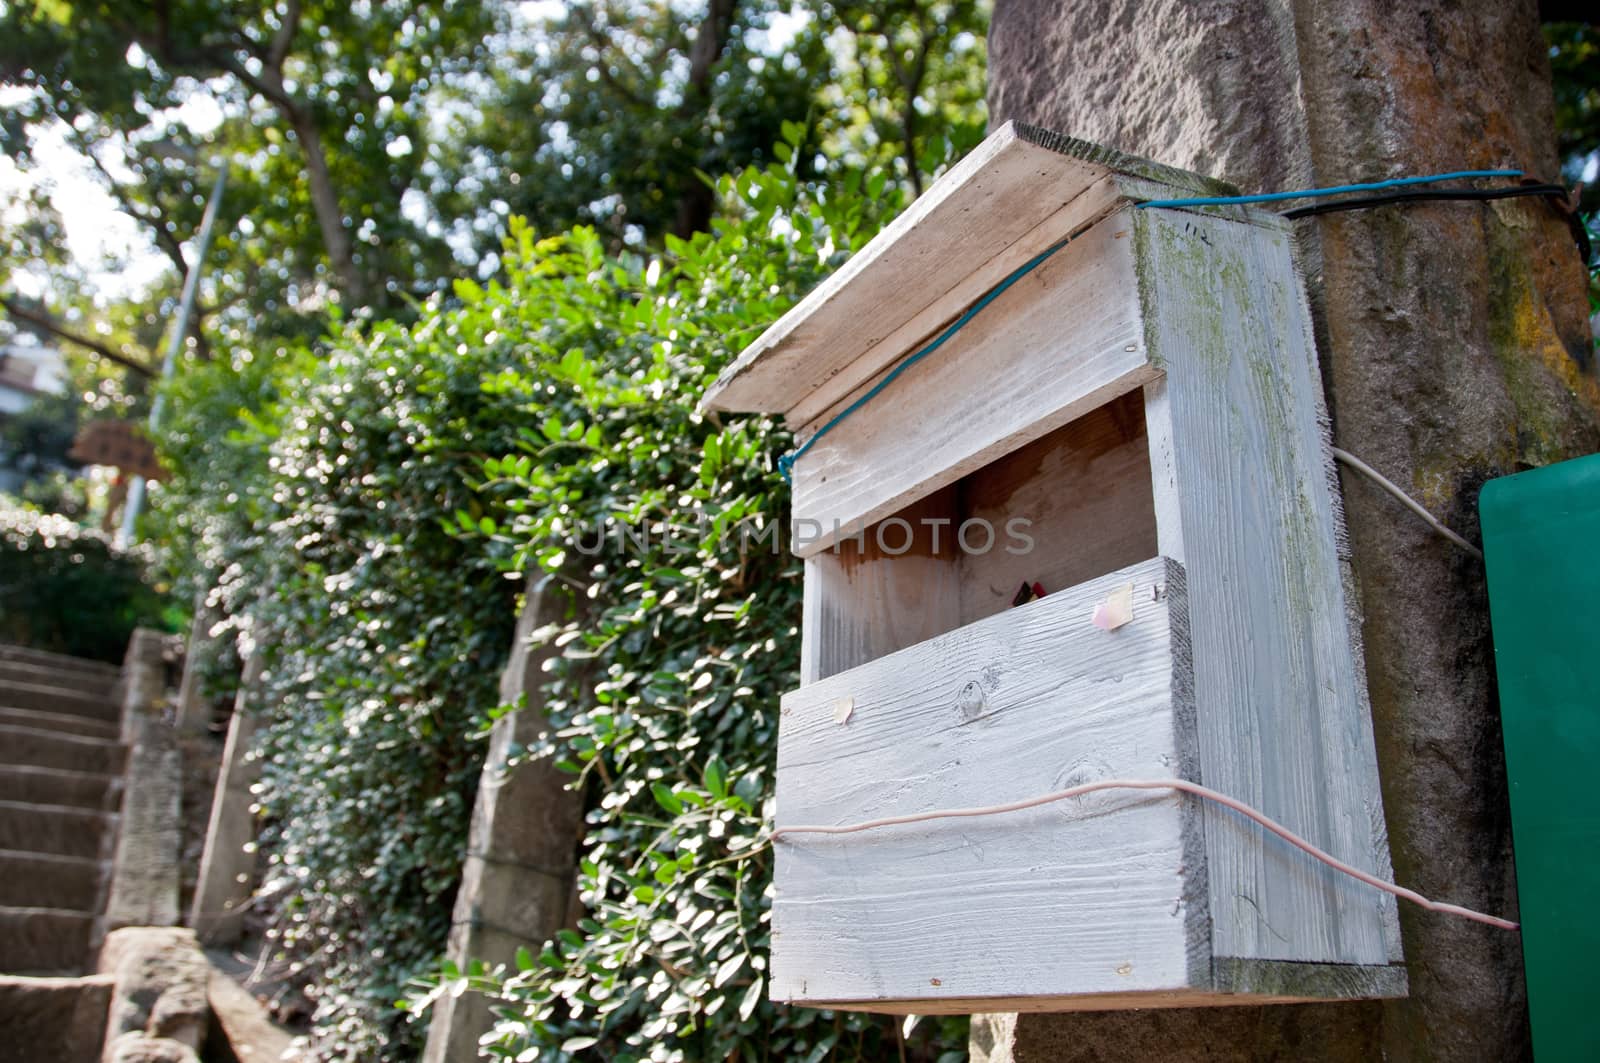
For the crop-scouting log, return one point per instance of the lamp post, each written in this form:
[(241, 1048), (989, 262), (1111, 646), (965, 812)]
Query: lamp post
[(191, 289)]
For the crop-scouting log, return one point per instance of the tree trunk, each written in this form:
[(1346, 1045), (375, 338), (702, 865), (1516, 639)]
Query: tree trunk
[(1455, 348), (696, 202), (325, 202)]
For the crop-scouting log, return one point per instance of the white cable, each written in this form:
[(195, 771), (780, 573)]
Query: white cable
[(1412, 504), (1165, 784)]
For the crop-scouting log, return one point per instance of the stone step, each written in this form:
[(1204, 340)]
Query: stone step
[(37, 698), (57, 786), (61, 1020), (61, 722), (55, 829), (94, 683), (44, 941), (34, 747), (29, 880), (10, 651)]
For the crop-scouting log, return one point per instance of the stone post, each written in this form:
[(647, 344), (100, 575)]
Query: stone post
[(159, 1008), (517, 882), (143, 888), (227, 869), (194, 708), (1454, 348), (143, 681)]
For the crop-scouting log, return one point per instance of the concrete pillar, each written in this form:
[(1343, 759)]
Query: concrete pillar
[(517, 882), (194, 708), (143, 887), (227, 870), (143, 681), (1454, 348)]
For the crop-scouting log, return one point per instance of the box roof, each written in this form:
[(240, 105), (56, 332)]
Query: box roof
[(1020, 191)]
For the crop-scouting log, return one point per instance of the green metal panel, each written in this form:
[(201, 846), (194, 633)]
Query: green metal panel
[(1540, 533)]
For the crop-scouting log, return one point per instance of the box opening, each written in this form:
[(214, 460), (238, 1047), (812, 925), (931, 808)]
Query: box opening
[(1072, 505)]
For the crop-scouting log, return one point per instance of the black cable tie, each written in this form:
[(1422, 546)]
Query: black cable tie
[(1560, 195)]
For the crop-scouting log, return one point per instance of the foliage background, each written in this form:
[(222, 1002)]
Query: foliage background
[(665, 694), (369, 449), (66, 589), (382, 636)]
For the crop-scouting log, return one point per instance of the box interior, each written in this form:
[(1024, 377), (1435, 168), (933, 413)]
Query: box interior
[(1075, 504)]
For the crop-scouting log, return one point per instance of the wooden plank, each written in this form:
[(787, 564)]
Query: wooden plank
[(1084, 492), (1178, 998), (831, 378), (1284, 724), (1065, 339), (1308, 981), (1020, 190), (1163, 469), (1025, 702)]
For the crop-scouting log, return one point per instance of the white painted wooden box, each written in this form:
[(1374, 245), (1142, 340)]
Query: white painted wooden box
[(1144, 409)]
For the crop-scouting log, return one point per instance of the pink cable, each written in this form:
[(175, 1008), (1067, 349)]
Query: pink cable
[(1167, 784)]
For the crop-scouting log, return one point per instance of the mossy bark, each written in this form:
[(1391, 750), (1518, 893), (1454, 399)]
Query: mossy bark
[(1455, 348)]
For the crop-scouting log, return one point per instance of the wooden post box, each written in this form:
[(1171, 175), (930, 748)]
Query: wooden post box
[(1136, 425)]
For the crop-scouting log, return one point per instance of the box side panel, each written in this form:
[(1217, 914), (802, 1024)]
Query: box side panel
[(1098, 894), (1283, 718), (1063, 340)]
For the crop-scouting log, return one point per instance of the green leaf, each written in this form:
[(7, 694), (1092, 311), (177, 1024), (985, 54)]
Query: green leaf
[(727, 970), (666, 798), (716, 778), (752, 998)]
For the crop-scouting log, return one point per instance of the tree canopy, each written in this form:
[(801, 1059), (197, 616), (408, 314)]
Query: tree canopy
[(376, 150)]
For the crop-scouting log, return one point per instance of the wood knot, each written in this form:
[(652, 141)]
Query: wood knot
[(970, 701)]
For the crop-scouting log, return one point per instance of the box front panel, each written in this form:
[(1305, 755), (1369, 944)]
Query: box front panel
[(1092, 895), (1063, 340)]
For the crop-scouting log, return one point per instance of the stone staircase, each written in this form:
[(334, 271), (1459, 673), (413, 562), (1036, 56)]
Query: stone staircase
[(61, 763), (93, 966)]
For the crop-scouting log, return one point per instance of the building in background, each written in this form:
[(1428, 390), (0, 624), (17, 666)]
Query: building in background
[(28, 370), (33, 377)]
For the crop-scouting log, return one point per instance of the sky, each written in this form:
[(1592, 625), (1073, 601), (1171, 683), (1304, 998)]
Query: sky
[(114, 250)]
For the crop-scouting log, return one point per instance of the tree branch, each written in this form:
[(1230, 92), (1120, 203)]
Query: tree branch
[(284, 38), (910, 76), (604, 46), (221, 57), (163, 236), (42, 321), (155, 218)]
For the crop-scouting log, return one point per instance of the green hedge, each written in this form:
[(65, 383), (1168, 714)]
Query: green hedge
[(66, 589), (319, 516), (666, 692), (371, 520)]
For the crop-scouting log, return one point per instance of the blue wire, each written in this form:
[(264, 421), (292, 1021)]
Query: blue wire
[(786, 463), (1273, 197)]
